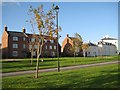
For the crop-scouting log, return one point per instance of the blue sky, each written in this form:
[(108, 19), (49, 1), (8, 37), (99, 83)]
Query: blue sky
[(92, 20)]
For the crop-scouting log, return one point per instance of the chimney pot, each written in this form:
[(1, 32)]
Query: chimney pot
[(23, 30), (5, 27), (67, 35)]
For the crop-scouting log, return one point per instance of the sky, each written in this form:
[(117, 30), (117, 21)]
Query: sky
[(92, 20)]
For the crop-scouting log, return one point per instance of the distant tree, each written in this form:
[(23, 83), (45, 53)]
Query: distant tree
[(44, 22), (85, 47), (77, 44)]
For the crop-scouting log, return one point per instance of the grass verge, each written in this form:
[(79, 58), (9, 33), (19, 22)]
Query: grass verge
[(93, 77)]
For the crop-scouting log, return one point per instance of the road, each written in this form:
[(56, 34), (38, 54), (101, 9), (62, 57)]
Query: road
[(55, 69)]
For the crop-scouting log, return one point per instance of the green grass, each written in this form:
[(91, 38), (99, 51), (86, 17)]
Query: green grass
[(93, 77), (24, 64)]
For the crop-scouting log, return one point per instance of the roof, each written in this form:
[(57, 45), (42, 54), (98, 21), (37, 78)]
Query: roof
[(91, 44), (72, 38), (22, 34), (105, 43), (14, 33), (108, 38)]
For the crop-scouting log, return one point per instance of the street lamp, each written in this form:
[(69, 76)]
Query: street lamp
[(57, 10)]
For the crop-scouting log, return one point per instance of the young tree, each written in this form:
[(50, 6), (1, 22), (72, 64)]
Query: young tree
[(85, 47), (44, 22)]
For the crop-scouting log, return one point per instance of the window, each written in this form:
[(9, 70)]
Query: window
[(46, 47), (39, 40), (15, 53), (24, 46), (15, 45), (30, 46), (35, 46), (45, 40), (15, 38), (50, 47), (24, 38), (54, 47), (32, 39), (51, 41)]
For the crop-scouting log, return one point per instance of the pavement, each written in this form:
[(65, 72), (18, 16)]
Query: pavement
[(55, 69)]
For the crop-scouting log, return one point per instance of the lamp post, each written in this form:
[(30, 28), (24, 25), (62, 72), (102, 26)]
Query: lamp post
[(57, 10)]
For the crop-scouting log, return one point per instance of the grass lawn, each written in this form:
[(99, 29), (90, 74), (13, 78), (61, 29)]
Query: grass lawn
[(93, 77), (24, 64)]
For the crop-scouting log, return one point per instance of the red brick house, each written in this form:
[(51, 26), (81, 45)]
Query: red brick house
[(67, 44), (18, 44)]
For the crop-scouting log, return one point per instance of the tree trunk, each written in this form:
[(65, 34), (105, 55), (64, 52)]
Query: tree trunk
[(37, 67), (38, 55), (31, 57), (74, 57)]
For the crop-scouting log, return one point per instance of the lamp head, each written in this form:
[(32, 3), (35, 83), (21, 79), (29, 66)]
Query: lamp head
[(56, 8)]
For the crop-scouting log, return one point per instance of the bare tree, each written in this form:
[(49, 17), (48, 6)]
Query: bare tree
[(44, 22)]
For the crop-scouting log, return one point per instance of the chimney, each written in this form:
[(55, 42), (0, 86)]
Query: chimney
[(67, 35), (23, 30), (5, 28)]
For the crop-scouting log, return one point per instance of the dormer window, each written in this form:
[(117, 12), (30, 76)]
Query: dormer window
[(15, 38)]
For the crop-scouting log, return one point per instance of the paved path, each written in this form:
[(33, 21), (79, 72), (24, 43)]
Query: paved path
[(55, 69)]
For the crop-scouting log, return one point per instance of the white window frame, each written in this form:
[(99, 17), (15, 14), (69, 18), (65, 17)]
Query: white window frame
[(50, 47), (24, 46), (39, 40), (45, 40), (32, 39), (51, 41), (46, 47), (55, 47), (15, 38), (15, 53), (15, 45), (30, 46), (35, 46), (24, 38)]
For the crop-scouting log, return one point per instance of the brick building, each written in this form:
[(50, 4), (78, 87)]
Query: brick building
[(67, 44), (19, 44)]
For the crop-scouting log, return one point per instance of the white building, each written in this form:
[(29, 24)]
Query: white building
[(101, 49), (110, 40), (92, 50), (107, 49)]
